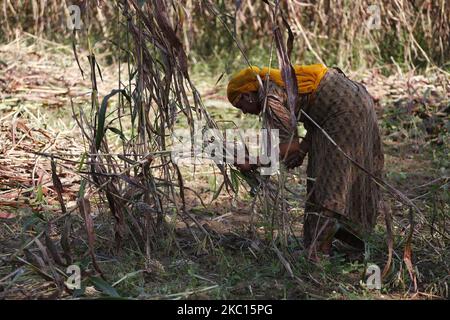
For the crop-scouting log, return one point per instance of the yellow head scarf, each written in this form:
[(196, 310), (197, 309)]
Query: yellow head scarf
[(308, 79)]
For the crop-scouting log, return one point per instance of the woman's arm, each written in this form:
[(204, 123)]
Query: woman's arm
[(304, 149), (279, 117), (295, 156)]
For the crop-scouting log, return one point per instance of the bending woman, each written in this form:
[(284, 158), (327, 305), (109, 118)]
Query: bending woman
[(342, 202)]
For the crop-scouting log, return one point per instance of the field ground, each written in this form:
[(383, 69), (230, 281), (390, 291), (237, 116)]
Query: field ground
[(212, 254)]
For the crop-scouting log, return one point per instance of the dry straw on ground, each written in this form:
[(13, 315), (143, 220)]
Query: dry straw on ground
[(129, 170)]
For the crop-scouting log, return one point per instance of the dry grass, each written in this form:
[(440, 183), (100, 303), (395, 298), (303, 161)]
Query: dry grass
[(411, 33), (113, 201), (206, 249)]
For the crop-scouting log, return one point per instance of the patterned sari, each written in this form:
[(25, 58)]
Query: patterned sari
[(343, 201)]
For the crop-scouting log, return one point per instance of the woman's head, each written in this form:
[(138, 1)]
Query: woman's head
[(242, 90), (243, 86), (242, 81), (248, 103)]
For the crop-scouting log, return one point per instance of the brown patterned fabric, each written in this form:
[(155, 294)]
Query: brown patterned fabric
[(345, 110), (275, 112)]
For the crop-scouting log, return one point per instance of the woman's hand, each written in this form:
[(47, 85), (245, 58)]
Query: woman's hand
[(294, 153), (290, 154), (248, 103), (294, 159), (246, 166)]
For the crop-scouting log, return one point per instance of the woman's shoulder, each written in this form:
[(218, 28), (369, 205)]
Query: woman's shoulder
[(271, 89)]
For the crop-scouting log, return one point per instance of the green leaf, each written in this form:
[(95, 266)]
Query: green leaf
[(39, 194), (33, 220), (118, 132), (217, 193), (101, 116), (82, 160), (77, 293), (104, 287), (82, 189), (234, 179), (212, 182)]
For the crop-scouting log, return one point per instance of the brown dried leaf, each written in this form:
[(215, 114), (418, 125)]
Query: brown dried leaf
[(52, 248), (288, 75), (407, 253), (163, 22), (58, 186), (85, 209), (65, 243)]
